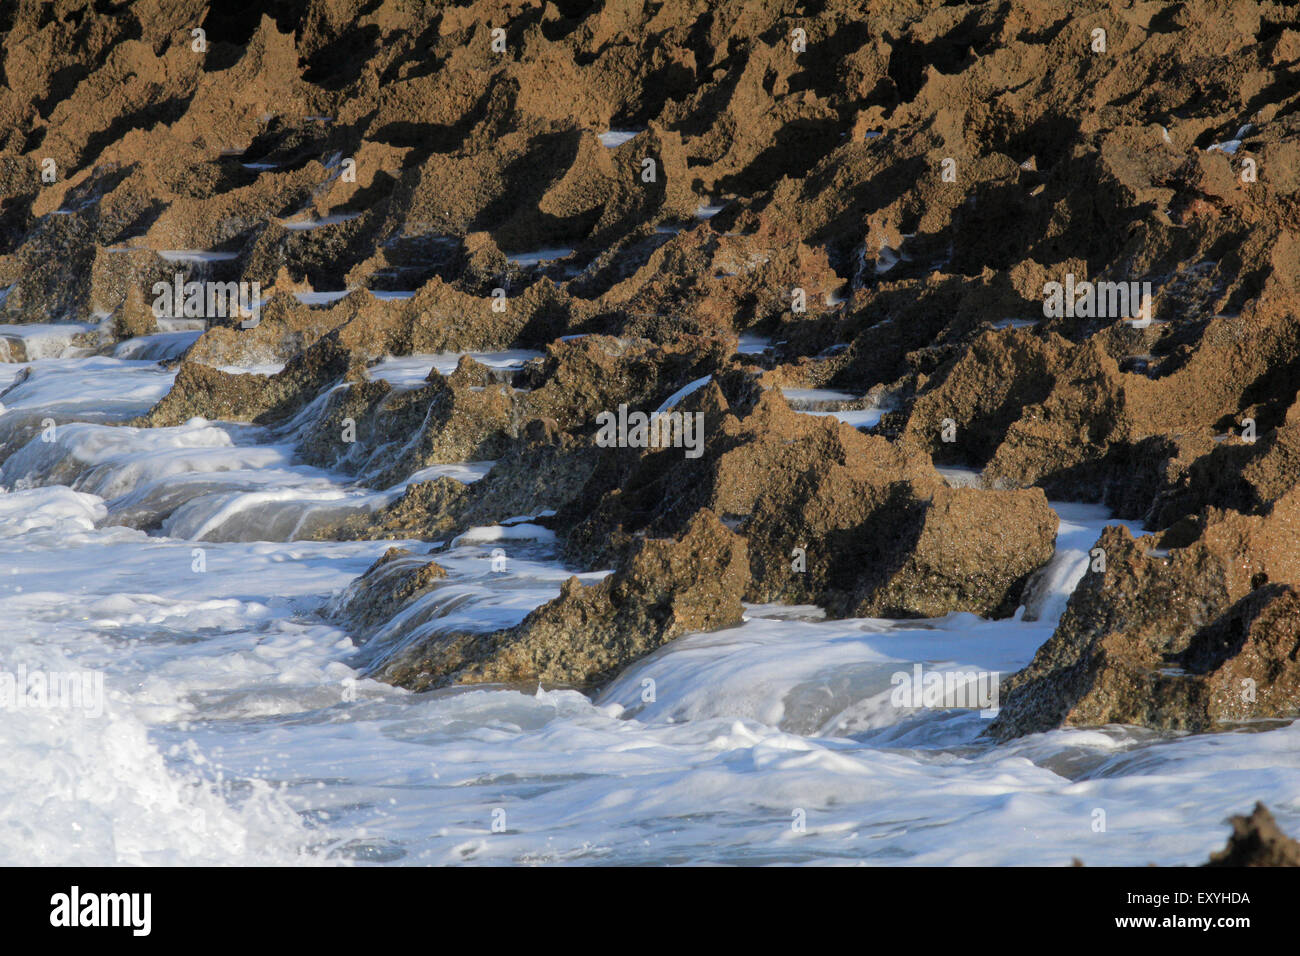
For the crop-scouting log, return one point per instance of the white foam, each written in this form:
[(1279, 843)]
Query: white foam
[(196, 255), (1231, 146), (158, 347), (818, 395), (320, 298), (466, 472), (305, 225), (95, 387), (856, 417), (60, 509), (43, 340), (672, 400), (500, 532)]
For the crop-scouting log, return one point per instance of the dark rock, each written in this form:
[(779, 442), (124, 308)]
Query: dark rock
[(1257, 841), (397, 578)]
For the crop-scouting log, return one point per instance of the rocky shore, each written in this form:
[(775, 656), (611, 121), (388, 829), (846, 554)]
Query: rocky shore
[(826, 242)]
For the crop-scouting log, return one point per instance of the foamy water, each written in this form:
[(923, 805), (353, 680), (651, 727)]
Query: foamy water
[(236, 727)]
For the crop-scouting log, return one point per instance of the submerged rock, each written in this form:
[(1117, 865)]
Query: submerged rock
[(397, 578), (665, 589), (384, 434), (425, 509)]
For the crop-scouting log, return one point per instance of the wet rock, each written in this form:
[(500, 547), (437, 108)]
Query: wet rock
[(1257, 840), (577, 380), (667, 588), (385, 434), (1204, 636), (881, 204), (253, 397), (1243, 476), (426, 509), (1037, 409), (545, 471), (398, 577), (852, 522)]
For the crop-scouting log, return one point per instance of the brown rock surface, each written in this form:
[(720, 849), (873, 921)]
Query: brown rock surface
[(389, 153), (1207, 635), (882, 533), (398, 577)]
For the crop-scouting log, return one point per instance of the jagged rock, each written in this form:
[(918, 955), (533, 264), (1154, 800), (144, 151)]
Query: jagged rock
[(426, 509), (1243, 476), (1208, 634), (472, 415), (542, 472), (398, 577), (826, 172), (577, 380), (1257, 840), (1036, 409), (385, 434), (253, 397), (880, 531), (545, 471)]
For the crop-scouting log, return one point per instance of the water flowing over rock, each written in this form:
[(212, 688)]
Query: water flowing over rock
[(665, 589), (889, 277), (1202, 635)]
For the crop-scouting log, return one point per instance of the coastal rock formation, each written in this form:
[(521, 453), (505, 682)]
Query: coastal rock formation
[(1190, 638), (831, 236), (388, 584), (850, 521)]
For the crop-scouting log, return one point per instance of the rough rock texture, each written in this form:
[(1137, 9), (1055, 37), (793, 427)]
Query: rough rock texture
[(545, 469), (1204, 634), (266, 399), (637, 189), (1257, 841), (388, 584), (881, 532)]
